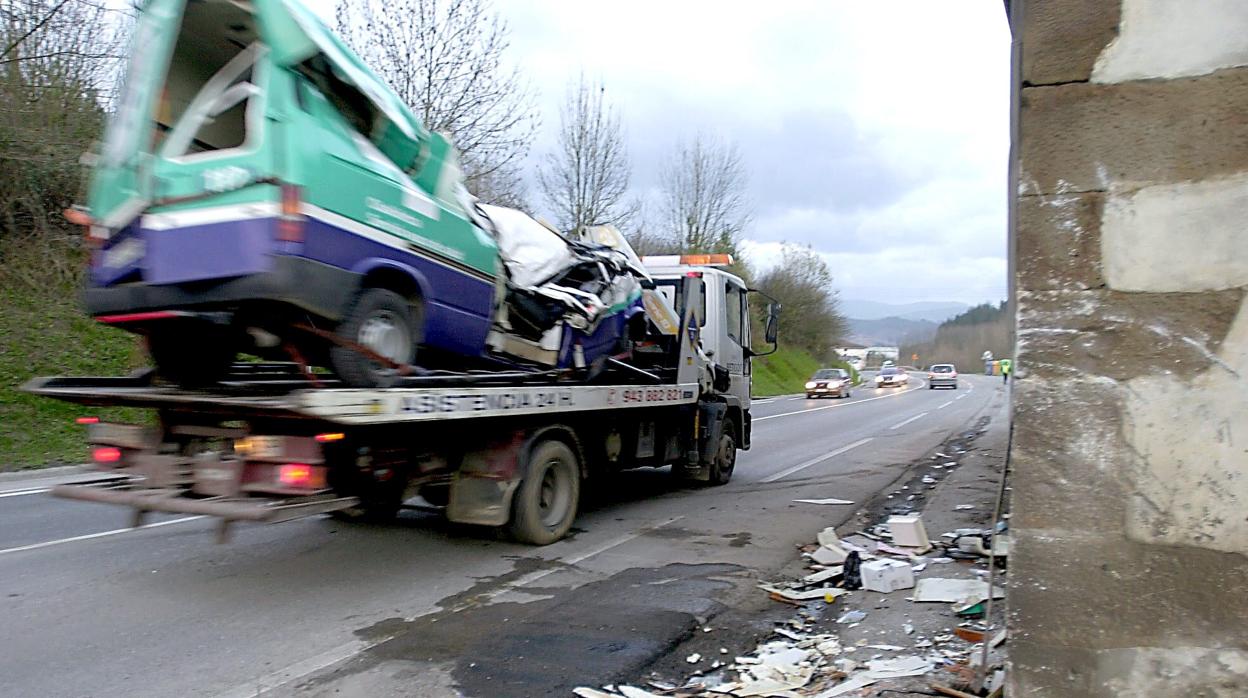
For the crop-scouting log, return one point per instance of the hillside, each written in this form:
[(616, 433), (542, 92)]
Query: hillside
[(889, 331), (786, 371), (931, 311), (961, 340)]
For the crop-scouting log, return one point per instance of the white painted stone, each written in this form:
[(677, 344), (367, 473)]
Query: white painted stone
[(1172, 38), (1189, 444), (1177, 237)]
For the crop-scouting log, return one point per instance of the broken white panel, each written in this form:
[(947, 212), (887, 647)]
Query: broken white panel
[(584, 692), (908, 531), (532, 252), (804, 595), (1176, 237), (824, 501), (853, 683), (940, 589), (634, 692), (824, 575), (1168, 39), (897, 667)]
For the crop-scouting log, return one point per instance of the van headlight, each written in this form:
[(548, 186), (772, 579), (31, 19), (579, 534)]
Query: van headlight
[(810, 384)]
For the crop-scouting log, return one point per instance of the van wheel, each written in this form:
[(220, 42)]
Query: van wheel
[(725, 456), (384, 322), (192, 356), (545, 504)]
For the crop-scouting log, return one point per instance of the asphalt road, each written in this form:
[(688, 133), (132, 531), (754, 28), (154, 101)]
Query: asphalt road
[(420, 607)]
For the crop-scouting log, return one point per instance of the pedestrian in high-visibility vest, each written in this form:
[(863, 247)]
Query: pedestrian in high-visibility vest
[(1006, 365)]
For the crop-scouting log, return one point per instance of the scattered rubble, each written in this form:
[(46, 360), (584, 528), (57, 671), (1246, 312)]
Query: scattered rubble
[(808, 655)]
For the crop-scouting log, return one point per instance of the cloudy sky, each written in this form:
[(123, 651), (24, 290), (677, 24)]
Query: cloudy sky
[(875, 132)]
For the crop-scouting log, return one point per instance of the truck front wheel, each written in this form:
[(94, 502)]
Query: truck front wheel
[(545, 504), (725, 456)]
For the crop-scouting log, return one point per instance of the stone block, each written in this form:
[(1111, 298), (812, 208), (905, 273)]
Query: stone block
[(1059, 244), (1063, 38), (1084, 137), (1122, 335)]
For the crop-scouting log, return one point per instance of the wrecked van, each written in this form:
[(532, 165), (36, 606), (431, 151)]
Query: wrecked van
[(260, 190)]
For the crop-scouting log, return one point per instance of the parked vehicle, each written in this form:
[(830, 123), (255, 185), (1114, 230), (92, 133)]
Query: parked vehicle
[(942, 375), (493, 448), (833, 382), (260, 190), (891, 377)]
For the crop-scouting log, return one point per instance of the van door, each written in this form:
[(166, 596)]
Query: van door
[(121, 182), (737, 331)]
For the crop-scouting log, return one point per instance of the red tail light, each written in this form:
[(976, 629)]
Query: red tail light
[(301, 475), (290, 224), (88, 420), (327, 438), (139, 317), (106, 454)]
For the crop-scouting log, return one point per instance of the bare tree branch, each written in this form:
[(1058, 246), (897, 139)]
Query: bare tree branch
[(585, 179), (704, 205), (445, 59)]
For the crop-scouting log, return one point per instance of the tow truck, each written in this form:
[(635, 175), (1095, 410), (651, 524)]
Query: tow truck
[(512, 449)]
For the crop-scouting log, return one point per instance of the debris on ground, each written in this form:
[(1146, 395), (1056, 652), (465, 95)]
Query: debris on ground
[(824, 501), (866, 620)]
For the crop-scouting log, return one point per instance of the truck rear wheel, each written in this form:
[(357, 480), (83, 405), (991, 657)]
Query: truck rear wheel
[(545, 504), (725, 456)]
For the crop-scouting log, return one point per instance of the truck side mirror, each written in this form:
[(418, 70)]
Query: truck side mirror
[(772, 331)]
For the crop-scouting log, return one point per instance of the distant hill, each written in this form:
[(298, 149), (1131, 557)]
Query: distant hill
[(962, 339), (932, 311), (889, 331)]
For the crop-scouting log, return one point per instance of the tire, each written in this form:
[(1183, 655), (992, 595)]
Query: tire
[(725, 456), (385, 322), (192, 356), (544, 506)]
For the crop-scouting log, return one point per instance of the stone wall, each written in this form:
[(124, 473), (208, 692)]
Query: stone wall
[(1130, 452)]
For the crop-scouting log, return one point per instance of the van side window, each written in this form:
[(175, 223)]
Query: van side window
[(216, 117)]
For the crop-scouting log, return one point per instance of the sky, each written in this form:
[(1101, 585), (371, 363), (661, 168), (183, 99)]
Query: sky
[(877, 133)]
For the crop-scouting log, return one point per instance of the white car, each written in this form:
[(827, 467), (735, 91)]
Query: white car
[(942, 375), (891, 377)]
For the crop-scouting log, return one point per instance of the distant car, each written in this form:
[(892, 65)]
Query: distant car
[(829, 381), (891, 377), (942, 375)]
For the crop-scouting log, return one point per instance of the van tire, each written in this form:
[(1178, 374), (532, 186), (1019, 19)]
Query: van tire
[(385, 322), (191, 356), (544, 506)]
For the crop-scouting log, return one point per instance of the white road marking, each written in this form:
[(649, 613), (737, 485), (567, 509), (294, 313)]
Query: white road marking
[(345, 651), (841, 404), (101, 534), (902, 424), (815, 461), (961, 396), (945, 405), (22, 493)]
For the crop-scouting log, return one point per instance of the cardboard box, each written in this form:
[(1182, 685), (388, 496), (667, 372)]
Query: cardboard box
[(886, 575), (908, 531)]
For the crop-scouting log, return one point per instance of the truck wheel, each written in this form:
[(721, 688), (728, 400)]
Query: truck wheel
[(545, 504), (386, 323), (726, 456), (192, 357)]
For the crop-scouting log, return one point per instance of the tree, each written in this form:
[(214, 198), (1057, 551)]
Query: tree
[(586, 178), (445, 59), (802, 282), (704, 206), (59, 62)]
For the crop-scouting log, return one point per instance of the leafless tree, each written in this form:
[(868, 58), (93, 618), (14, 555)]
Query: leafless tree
[(446, 60), (704, 203), (586, 178)]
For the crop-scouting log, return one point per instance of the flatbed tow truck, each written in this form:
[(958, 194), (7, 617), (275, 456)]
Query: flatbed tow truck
[(508, 449)]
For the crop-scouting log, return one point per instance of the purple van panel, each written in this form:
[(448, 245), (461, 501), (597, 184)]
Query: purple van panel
[(213, 251), (458, 306), (104, 275)]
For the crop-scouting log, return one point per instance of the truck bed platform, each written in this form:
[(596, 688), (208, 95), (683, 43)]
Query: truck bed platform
[(268, 391)]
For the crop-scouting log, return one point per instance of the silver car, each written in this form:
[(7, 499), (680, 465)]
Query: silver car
[(943, 375)]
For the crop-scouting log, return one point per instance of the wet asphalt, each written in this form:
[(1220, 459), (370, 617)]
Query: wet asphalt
[(422, 607)]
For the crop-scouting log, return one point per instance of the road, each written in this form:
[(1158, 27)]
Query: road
[(319, 607)]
